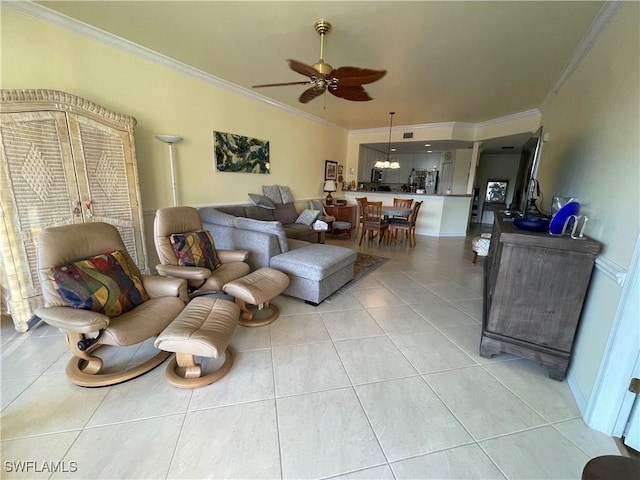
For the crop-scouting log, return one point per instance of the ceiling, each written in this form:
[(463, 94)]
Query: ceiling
[(450, 61)]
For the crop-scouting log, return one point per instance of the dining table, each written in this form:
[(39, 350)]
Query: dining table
[(391, 211)]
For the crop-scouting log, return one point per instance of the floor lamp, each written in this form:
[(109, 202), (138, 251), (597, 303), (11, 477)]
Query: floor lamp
[(171, 139)]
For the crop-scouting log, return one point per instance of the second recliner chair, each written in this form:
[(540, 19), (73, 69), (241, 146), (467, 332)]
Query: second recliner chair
[(186, 251)]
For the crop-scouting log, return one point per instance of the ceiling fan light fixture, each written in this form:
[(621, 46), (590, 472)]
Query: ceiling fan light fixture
[(343, 82), (322, 67)]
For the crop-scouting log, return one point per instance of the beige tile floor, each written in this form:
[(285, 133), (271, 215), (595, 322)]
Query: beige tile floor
[(384, 381)]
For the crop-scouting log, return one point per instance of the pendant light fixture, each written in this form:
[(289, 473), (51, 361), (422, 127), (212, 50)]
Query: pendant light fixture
[(389, 162)]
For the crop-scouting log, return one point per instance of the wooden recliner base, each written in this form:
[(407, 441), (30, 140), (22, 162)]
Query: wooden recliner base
[(84, 369), (80, 375), (248, 316), (184, 372)]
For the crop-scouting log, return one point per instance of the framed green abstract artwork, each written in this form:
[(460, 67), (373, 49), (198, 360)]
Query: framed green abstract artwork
[(235, 153)]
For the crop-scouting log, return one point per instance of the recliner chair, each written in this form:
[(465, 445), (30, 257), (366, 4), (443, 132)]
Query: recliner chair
[(185, 222), (96, 295)]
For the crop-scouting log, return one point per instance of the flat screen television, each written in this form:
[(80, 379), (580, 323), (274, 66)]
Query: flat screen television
[(525, 180)]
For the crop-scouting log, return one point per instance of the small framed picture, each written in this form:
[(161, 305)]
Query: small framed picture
[(496, 191), (340, 168), (330, 170)]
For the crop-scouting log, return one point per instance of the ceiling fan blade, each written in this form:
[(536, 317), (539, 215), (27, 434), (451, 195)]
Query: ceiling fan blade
[(356, 93), (311, 93), (352, 76), (281, 84), (303, 69)]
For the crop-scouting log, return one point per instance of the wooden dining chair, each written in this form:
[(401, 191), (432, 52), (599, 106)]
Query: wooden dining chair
[(374, 223), (408, 226), (402, 203), (362, 202)]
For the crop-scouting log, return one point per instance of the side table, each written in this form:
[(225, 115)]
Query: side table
[(343, 213)]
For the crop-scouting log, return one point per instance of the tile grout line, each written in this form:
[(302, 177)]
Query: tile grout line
[(353, 389), (275, 403), (516, 394), (177, 442), (475, 440), (553, 425)]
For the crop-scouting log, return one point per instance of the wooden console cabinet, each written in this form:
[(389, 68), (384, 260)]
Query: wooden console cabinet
[(534, 288)]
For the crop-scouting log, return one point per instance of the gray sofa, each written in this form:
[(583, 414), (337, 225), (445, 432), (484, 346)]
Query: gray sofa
[(315, 270), (286, 214)]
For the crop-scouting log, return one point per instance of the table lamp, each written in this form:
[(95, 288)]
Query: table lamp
[(329, 186)]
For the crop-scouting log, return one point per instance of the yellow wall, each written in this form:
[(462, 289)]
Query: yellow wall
[(593, 154), (37, 54)]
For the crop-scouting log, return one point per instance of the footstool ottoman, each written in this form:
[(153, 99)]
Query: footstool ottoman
[(480, 246), (341, 228), (257, 288), (204, 328), (315, 271)]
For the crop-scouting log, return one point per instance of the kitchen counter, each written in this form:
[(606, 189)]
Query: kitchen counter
[(404, 194), (439, 216)]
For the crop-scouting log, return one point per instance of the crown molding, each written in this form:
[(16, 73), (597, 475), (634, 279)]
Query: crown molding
[(599, 25), (399, 128), (454, 125), (81, 28), (509, 118)]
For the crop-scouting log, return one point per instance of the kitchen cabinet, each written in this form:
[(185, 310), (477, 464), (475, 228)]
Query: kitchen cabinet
[(391, 175), (427, 161), (64, 160), (534, 289)]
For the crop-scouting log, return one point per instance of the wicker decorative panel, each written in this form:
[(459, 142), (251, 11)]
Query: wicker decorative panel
[(64, 160), (109, 182)]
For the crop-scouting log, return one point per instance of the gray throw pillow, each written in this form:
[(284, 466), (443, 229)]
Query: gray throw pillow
[(285, 194), (261, 201), (286, 213), (308, 217), (272, 192), (317, 205)]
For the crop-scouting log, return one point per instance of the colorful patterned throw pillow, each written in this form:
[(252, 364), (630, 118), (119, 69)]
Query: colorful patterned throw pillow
[(104, 283), (195, 249)]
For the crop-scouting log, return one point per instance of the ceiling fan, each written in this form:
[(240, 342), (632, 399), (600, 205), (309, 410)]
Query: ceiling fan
[(343, 82)]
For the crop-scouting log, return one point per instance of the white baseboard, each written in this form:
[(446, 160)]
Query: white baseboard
[(581, 402)]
